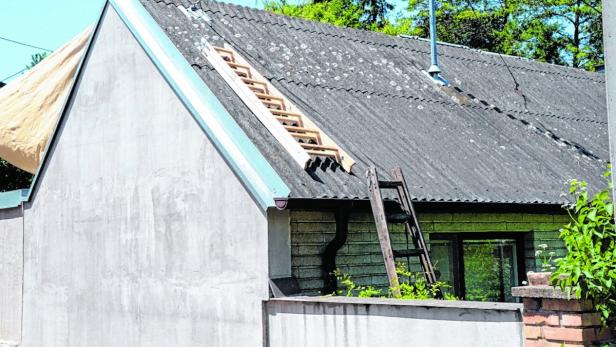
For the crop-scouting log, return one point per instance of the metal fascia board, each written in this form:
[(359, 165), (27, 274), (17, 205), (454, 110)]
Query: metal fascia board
[(246, 161), (13, 198)]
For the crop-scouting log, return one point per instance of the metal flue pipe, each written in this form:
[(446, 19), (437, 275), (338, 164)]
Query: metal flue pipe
[(434, 69)]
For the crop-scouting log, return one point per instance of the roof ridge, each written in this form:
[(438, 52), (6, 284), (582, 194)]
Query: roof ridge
[(504, 55), (393, 45)]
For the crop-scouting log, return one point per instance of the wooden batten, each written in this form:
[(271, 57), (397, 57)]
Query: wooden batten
[(270, 106), (254, 103)]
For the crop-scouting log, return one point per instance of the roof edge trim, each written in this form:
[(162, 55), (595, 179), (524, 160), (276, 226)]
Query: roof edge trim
[(257, 175), (13, 198)]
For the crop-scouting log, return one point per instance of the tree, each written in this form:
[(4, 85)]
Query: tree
[(566, 32), (11, 177), (359, 14)]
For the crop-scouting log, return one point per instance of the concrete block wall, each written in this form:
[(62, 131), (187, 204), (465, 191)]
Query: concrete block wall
[(358, 322), (360, 257)]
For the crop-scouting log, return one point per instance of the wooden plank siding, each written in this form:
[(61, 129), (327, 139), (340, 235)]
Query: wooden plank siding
[(361, 256)]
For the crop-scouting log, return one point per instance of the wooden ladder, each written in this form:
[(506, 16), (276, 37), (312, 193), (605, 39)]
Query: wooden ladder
[(309, 139), (411, 225)]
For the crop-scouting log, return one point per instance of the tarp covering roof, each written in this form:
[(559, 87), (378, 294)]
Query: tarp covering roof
[(30, 106)]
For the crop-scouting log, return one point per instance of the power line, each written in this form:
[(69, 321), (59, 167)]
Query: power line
[(25, 44), (13, 75)]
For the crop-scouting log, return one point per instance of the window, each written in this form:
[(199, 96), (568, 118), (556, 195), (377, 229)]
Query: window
[(479, 266)]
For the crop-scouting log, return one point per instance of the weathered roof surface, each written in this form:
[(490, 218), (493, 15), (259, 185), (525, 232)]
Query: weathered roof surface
[(495, 143)]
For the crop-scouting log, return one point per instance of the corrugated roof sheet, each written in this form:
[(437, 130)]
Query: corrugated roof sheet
[(493, 142)]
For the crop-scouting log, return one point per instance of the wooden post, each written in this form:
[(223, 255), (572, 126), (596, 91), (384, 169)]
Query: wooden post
[(378, 210)]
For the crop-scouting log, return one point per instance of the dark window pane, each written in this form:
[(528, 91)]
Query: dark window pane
[(442, 256), (489, 269)]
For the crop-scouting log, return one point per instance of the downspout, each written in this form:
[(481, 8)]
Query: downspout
[(328, 257), (609, 49)]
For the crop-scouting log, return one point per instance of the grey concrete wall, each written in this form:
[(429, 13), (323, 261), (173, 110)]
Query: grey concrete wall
[(358, 322), (140, 234), (11, 260)]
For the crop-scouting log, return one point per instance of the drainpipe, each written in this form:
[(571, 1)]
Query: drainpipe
[(434, 69), (609, 49), (328, 257)]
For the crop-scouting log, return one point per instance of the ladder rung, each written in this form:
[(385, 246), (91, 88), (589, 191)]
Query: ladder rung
[(390, 184), (300, 129), (253, 81), (273, 103), (398, 217), (256, 89), (267, 96), (287, 120), (242, 73), (305, 136), (318, 147), (220, 49), (322, 154), (236, 65), (408, 253), (286, 113)]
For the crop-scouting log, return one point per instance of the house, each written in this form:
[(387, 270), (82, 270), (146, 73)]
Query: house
[(177, 191)]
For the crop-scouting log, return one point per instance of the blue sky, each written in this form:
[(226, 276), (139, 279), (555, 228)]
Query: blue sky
[(47, 24)]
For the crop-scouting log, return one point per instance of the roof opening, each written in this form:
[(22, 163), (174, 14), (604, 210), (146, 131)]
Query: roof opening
[(304, 140)]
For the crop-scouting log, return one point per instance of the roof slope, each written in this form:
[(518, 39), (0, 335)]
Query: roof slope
[(493, 142)]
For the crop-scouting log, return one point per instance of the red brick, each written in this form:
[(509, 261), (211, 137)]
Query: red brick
[(570, 334), (580, 319), (567, 305), (531, 304), (544, 343), (540, 319), (532, 332)]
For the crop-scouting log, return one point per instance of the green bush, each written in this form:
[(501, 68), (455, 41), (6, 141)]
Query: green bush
[(413, 286), (588, 270)]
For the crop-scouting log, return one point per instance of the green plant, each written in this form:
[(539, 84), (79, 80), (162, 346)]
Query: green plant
[(588, 270), (413, 285), (547, 258)]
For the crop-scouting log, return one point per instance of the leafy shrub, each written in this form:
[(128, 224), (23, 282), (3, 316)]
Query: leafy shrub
[(588, 270), (413, 285)]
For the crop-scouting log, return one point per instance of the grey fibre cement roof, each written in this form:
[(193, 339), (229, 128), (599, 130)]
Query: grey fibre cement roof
[(490, 141)]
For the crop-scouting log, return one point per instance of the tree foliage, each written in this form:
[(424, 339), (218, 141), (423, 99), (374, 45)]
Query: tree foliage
[(588, 270), (566, 32)]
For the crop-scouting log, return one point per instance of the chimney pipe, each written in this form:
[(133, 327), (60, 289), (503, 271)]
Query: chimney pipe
[(434, 70)]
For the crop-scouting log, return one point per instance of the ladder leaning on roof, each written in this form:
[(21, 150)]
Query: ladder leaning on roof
[(411, 226)]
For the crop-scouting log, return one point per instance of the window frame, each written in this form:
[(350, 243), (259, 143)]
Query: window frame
[(457, 240)]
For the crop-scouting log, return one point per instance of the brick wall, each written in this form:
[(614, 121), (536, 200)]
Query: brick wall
[(361, 256), (551, 319)]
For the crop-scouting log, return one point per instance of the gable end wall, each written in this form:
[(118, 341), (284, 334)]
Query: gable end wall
[(139, 233)]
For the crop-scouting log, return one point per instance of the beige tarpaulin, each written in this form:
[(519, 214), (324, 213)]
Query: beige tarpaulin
[(30, 106)]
